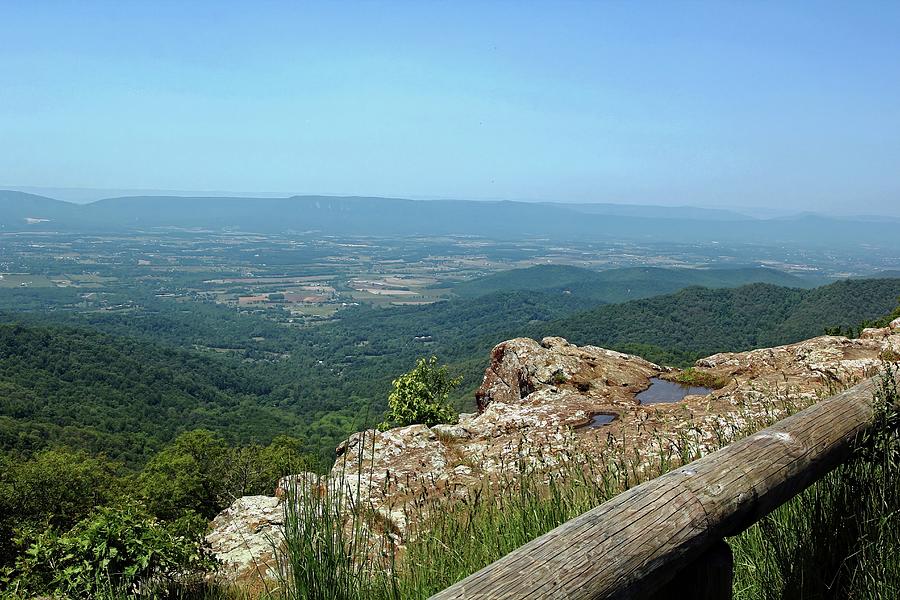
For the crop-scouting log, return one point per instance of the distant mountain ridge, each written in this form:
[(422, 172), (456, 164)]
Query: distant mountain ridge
[(371, 216), (643, 210)]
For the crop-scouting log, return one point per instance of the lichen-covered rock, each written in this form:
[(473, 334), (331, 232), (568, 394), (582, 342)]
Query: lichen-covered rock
[(810, 365), (533, 405), (387, 469), (243, 536), (521, 366)]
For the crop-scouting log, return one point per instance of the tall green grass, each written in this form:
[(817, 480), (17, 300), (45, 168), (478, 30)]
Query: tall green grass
[(840, 538), (324, 556)]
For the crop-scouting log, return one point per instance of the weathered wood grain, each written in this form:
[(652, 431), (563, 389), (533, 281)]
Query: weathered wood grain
[(638, 541)]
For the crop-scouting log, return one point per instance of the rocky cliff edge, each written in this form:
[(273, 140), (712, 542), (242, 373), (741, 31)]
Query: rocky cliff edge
[(537, 406)]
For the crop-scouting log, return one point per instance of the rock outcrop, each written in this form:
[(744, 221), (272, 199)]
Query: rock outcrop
[(243, 536), (534, 408)]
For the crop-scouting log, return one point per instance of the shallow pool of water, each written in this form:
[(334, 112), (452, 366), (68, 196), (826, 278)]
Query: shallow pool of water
[(599, 421), (661, 391)]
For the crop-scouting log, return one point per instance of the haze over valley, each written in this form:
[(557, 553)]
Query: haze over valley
[(322, 301), (394, 300)]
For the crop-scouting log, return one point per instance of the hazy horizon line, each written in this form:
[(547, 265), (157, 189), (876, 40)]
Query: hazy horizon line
[(86, 195)]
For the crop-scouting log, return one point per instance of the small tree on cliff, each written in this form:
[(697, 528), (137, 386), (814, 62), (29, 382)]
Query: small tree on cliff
[(420, 396)]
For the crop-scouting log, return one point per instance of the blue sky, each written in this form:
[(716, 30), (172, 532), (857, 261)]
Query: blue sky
[(788, 105)]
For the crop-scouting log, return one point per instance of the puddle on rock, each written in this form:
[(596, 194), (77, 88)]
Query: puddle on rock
[(599, 420), (661, 391)]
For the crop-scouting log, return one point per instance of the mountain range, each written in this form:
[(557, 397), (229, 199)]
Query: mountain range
[(369, 216)]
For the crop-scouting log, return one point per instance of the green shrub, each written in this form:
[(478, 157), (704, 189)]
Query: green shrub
[(117, 548), (54, 488), (420, 396), (255, 469)]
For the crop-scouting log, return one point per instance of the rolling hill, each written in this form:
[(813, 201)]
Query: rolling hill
[(620, 285), (125, 386), (678, 328), (121, 396)]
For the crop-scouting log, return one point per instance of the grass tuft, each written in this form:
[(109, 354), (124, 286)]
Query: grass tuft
[(695, 377)]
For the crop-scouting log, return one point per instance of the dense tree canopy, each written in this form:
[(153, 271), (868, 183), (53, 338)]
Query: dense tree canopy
[(131, 390)]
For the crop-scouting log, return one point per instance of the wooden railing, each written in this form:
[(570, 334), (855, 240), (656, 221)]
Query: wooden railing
[(665, 538)]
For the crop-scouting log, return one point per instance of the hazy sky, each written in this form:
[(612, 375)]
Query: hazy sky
[(751, 103)]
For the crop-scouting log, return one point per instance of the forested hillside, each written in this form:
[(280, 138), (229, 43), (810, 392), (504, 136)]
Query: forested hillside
[(620, 285), (121, 396), (681, 327), (152, 374)]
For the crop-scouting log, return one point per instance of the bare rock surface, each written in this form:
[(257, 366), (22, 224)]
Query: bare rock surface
[(534, 404), (242, 536)]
